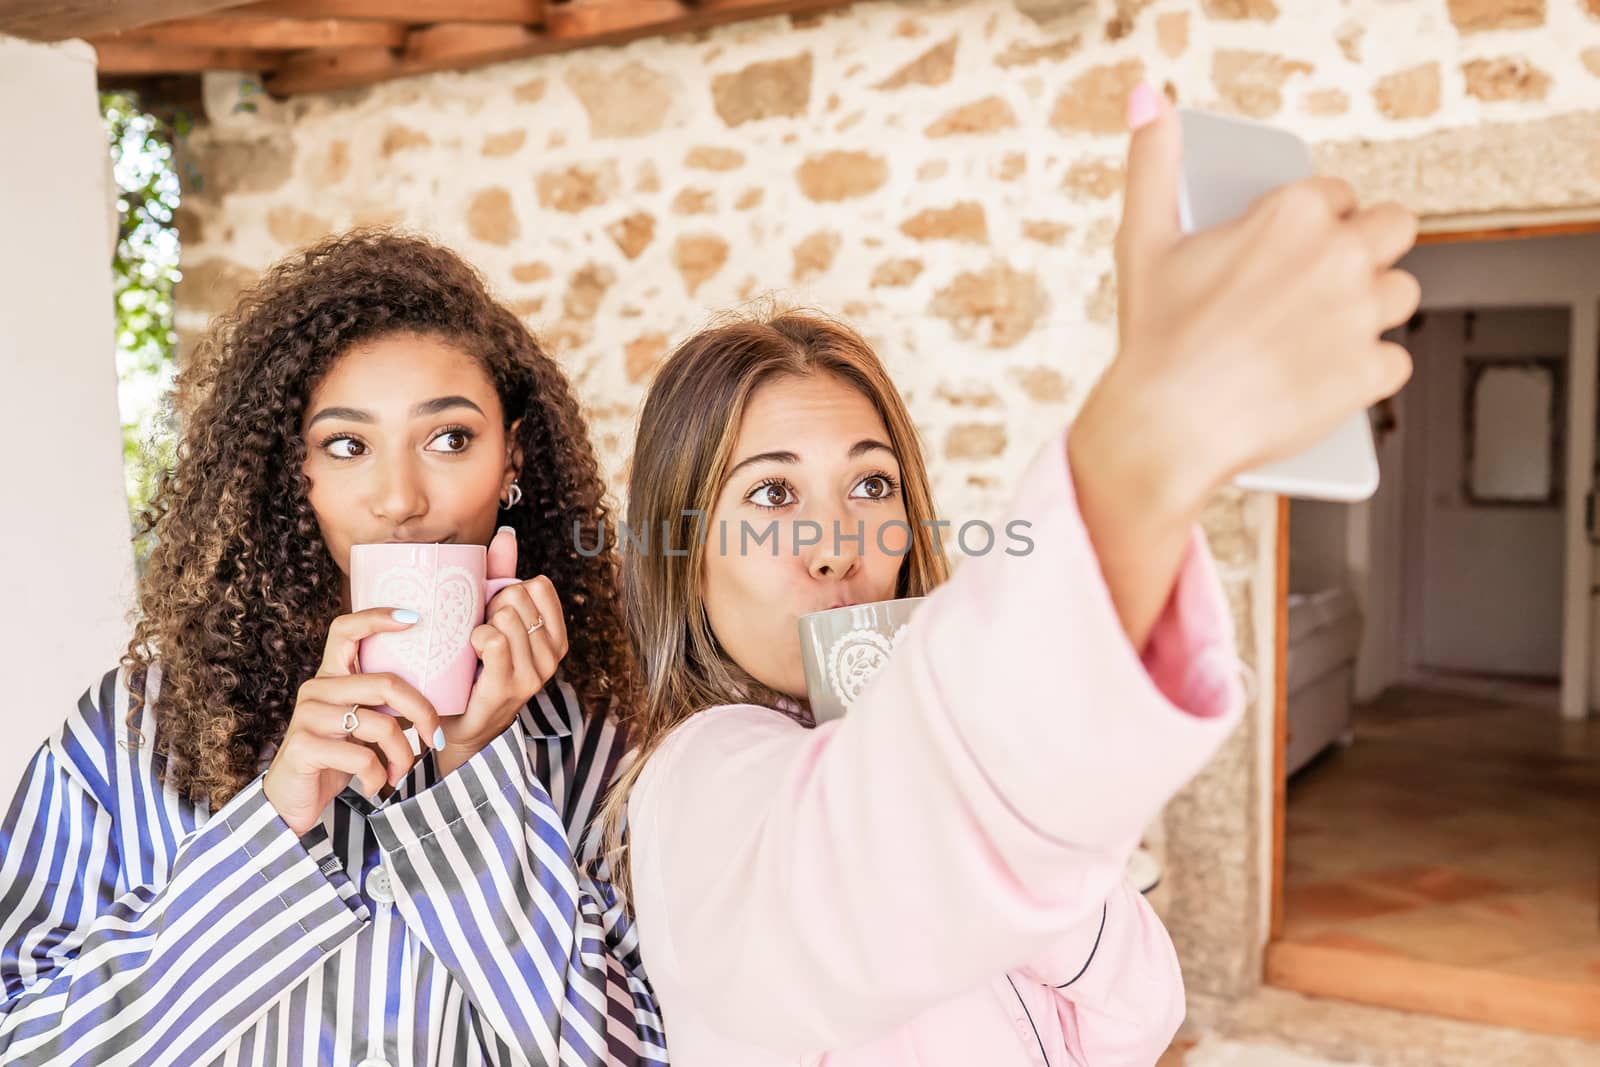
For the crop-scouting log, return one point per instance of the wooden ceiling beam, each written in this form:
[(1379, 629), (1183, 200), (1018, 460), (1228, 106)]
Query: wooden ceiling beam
[(584, 19), (343, 44), (445, 41), (582, 23), (144, 57), (329, 69), (530, 12), (167, 96), (268, 33), (58, 20)]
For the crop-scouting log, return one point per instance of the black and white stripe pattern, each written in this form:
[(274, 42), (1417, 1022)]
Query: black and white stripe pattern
[(462, 922)]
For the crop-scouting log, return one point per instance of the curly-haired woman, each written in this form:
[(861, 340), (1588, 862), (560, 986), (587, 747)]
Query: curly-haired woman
[(228, 855)]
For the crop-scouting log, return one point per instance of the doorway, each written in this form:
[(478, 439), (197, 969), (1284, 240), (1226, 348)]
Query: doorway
[(1440, 772)]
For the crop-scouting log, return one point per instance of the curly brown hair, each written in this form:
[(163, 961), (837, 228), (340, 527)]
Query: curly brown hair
[(240, 588)]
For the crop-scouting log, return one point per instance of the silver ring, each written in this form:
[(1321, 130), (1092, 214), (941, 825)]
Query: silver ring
[(537, 625), (350, 721)]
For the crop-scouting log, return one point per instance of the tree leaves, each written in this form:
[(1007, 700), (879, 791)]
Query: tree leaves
[(144, 271)]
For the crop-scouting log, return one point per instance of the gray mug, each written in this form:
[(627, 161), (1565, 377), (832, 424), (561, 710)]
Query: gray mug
[(843, 648)]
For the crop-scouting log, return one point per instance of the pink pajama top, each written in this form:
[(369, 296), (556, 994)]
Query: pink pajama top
[(937, 878)]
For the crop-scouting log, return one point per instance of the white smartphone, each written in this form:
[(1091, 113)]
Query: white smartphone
[(1228, 163)]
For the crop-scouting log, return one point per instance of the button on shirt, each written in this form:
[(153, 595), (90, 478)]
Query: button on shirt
[(142, 930), (378, 888)]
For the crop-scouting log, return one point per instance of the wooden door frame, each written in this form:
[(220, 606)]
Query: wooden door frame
[(1396, 982)]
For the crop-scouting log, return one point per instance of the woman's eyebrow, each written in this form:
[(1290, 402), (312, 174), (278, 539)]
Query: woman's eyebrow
[(762, 457), (443, 403), (427, 407), (860, 448)]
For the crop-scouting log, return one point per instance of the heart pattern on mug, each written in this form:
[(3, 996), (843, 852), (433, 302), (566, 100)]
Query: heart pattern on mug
[(855, 657), (447, 621)]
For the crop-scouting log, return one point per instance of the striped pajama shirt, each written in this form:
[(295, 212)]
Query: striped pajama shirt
[(459, 922)]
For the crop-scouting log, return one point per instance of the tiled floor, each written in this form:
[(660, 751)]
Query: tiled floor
[(1455, 830)]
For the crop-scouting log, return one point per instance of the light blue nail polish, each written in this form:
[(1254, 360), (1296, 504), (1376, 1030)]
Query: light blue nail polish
[(438, 739), (404, 615)]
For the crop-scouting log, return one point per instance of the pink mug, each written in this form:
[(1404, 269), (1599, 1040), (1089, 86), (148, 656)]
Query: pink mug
[(445, 585)]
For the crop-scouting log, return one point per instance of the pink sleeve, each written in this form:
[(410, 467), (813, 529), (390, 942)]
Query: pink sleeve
[(813, 888)]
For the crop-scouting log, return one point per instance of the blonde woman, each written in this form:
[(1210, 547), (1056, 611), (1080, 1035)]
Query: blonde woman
[(937, 878)]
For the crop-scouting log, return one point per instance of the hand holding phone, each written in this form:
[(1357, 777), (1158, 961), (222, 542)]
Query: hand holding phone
[(1252, 300), (1229, 164)]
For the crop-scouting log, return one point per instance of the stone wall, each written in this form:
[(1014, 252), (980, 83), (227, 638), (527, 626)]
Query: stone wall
[(945, 174)]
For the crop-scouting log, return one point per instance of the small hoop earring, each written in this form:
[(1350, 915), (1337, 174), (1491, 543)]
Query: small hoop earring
[(514, 496)]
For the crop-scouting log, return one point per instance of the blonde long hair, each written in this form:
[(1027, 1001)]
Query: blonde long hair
[(687, 432)]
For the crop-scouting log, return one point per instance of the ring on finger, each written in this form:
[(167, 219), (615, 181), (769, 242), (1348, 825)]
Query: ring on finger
[(538, 624), (351, 721)]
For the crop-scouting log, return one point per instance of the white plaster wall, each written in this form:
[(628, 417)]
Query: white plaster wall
[(66, 562)]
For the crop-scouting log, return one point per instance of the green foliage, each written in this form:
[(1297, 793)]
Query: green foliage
[(144, 273)]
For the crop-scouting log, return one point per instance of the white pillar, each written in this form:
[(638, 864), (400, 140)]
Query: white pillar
[(66, 564)]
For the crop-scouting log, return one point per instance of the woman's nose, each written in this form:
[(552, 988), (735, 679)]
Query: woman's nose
[(398, 495), (835, 566), (835, 547)]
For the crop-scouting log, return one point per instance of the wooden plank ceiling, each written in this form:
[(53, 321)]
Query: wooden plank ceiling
[(306, 46)]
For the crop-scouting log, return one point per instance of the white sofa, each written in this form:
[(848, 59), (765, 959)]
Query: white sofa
[(1324, 637)]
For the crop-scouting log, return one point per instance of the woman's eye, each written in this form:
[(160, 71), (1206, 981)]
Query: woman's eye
[(451, 441), (345, 448), (770, 495), (875, 487)]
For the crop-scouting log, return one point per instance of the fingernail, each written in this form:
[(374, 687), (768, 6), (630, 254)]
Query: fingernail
[(507, 529), (1143, 106), (438, 739), (404, 615)]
